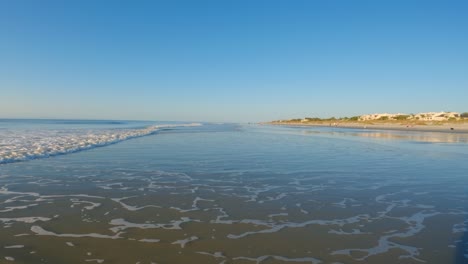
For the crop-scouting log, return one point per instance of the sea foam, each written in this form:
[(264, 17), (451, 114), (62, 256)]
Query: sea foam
[(21, 145)]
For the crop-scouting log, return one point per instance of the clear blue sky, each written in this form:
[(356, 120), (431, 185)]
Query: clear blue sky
[(231, 60)]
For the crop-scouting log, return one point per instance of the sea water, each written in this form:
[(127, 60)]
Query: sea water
[(30, 139), (230, 193)]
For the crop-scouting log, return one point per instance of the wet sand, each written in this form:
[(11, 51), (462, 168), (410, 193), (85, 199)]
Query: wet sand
[(238, 197), (445, 127), (185, 220)]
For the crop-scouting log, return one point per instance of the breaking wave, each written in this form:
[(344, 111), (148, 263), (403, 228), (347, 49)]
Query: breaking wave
[(21, 145)]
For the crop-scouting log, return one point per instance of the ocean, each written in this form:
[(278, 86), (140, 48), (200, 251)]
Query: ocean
[(171, 192)]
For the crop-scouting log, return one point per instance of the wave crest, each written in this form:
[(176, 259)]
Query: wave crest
[(32, 144)]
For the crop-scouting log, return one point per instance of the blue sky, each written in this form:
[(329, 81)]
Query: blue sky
[(240, 61)]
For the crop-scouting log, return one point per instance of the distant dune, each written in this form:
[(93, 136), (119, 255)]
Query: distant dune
[(429, 121)]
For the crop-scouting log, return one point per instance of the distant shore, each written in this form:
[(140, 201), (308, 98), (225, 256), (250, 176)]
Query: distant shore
[(446, 127)]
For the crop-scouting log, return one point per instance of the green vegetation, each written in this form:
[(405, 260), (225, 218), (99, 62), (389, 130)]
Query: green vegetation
[(401, 117), (313, 119)]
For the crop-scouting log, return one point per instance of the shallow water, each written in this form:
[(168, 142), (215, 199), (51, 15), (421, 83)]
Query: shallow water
[(242, 194), (22, 140)]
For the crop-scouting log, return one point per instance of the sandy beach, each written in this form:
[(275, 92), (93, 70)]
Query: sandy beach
[(448, 127), (234, 194)]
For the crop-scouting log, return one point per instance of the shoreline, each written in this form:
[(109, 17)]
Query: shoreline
[(443, 128)]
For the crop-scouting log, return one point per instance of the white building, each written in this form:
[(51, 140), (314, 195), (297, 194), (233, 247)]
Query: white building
[(436, 116), (380, 116), (429, 116)]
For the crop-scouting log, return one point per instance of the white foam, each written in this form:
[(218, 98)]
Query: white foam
[(460, 227), (183, 242), (273, 228), (20, 145), (149, 240), (415, 223), (91, 205), (341, 232), (20, 235), (194, 205), (278, 197), (42, 232), (95, 260), (215, 254), (345, 202), (28, 220), (131, 207), (281, 258), (5, 191), (12, 208), (14, 246), (279, 214), (121, 224)]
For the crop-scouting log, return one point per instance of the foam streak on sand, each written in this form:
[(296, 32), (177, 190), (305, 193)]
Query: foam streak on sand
[(415, 223), (122, 224), (42, 232), (28, 220), (32, 144), (278, 227), (280, 258), (184, 242), (14, 246)]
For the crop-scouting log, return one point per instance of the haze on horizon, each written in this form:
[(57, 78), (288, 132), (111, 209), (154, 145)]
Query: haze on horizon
[(237, 61)]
